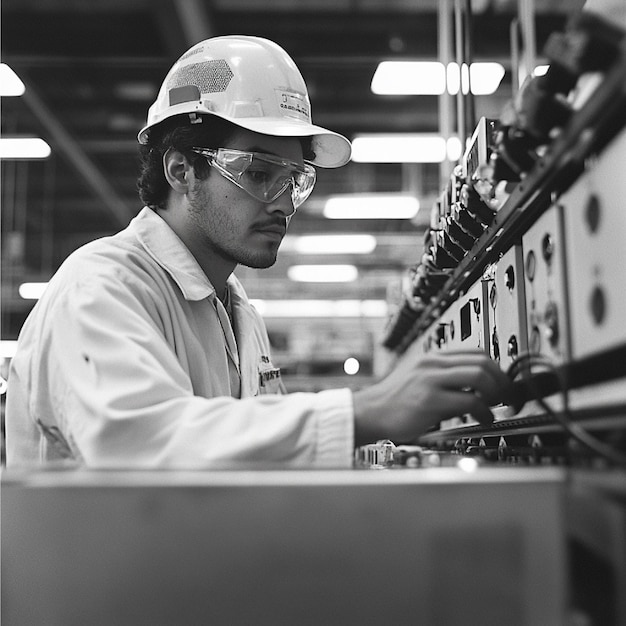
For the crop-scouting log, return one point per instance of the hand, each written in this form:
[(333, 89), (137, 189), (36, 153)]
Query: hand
[(425, 389)]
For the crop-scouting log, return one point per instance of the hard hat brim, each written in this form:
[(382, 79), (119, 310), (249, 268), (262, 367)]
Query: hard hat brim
[(331, 149)]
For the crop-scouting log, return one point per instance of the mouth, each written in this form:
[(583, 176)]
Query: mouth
[(272, 231)]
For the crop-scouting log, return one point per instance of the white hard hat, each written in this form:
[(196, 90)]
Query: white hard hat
[(251, 82)]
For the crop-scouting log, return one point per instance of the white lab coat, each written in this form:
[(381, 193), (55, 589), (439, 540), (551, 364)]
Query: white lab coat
[(129, 360)]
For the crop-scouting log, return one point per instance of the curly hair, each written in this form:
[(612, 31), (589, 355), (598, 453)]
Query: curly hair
[(178, 133)]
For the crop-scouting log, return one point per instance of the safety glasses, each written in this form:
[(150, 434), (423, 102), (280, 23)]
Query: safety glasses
[(263, 176)]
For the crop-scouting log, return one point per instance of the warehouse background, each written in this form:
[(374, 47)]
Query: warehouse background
[(91, 70)]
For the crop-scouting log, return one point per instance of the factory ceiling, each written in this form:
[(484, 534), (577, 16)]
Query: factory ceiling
[(91, 70)]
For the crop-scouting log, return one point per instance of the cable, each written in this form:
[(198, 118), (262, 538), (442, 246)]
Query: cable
[(522, 365)]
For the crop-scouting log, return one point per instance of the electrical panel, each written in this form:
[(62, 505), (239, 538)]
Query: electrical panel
[(507, 309), (594, 209), (543, 247), (525, 260)]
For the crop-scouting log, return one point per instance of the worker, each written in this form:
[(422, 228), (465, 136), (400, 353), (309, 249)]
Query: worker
[(144, 350)]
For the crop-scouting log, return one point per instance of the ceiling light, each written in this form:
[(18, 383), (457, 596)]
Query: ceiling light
[(405, 78), (399, 148), (330, 244), (8, 348), (10, 83), (433, 78), (363, 206), (23, 148), (454, 148), (323, 273), (31, 291), (321, 308), (483, 78)]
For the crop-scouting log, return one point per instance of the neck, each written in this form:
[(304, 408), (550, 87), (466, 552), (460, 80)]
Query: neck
[(216, 268)]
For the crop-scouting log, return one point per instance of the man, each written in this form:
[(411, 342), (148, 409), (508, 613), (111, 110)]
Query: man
[(145, 352)]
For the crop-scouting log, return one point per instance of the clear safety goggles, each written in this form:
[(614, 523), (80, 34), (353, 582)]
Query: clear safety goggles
[(263, 176)]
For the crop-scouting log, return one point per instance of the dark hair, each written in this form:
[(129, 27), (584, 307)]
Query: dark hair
[(178, 133)]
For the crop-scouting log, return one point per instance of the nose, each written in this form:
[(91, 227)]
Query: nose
[(283, 204)]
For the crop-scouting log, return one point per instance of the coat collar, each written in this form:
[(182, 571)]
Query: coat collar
[(168, 250)]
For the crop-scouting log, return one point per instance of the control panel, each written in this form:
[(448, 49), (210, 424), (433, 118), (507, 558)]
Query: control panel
[(525, 259)]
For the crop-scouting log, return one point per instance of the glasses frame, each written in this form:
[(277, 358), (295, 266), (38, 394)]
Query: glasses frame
[(212, 156)]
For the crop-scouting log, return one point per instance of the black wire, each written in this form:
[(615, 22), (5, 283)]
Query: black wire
[(522, 365)]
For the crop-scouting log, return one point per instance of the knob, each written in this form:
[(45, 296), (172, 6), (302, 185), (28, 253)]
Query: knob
[(598, 305), (509, 278), (547, 248), (512, 349), (592, 213)]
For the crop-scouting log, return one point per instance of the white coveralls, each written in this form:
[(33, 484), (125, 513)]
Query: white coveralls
[(129, 360)]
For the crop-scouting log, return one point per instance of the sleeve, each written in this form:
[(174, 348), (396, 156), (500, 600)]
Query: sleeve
[(127, 402)]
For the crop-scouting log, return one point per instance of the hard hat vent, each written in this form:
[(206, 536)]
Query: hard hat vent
[(210, 76)]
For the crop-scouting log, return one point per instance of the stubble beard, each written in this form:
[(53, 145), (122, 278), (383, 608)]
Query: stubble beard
[(220, 235)]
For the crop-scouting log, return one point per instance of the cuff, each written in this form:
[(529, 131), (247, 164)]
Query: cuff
[(335, 429)]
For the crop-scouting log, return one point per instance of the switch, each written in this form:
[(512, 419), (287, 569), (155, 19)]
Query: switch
[(493, 296), (551, 318), (509, 278), (535, 340), (512, 348), (441, 334), (547, 248), (495, 342)]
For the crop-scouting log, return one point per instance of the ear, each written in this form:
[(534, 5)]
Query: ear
[(177, 170)]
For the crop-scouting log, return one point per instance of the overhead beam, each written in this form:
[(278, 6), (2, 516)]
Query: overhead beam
[(77, 157)]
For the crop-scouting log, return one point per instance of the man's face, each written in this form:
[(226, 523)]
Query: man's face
[(229, 221)]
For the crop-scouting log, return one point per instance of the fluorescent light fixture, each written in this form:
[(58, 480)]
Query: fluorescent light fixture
[(483, 78), (23, 148), (406, 78), (454, 148), (321, 308), (31, 291), (363, 206), (8, 348), (330, 244), (323, 273), (404, 148), (10, 83), (433, 78)]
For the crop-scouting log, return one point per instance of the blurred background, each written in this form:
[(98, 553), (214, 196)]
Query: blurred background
[(90, 70)]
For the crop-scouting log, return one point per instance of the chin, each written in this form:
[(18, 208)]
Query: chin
[(260, 262)]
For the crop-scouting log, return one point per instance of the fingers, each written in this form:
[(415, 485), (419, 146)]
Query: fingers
[(455, 403), (477, 379), (470, 370), (464, 402)]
